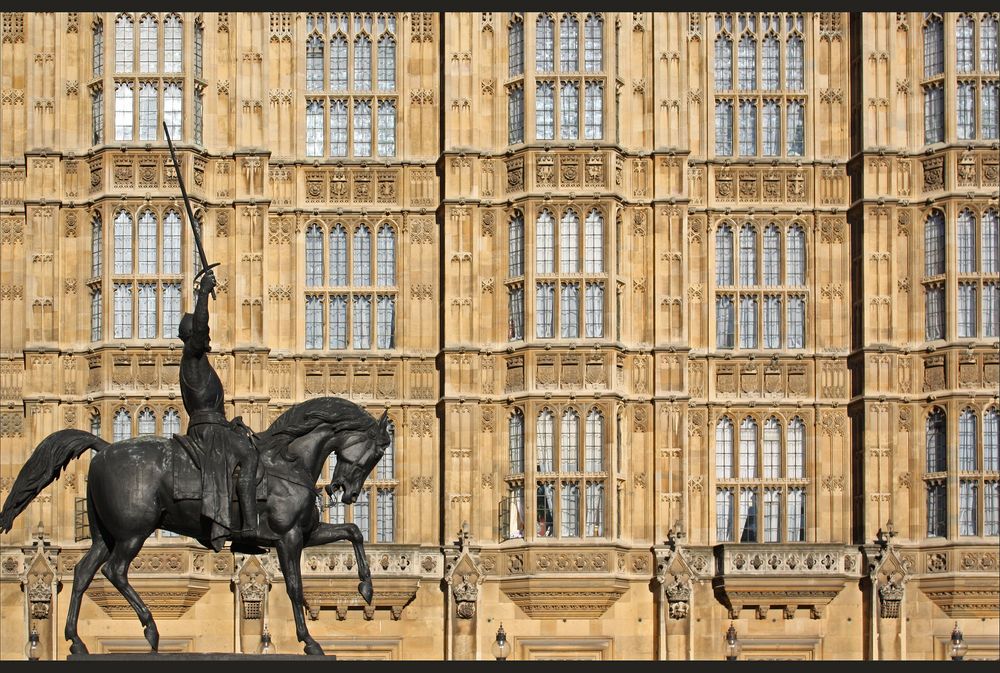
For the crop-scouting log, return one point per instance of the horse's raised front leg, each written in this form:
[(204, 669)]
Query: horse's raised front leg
[(116, 570), (83, 574), (334, 532), (289, 555)]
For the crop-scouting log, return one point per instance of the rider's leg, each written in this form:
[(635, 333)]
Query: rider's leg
[(246, 492)]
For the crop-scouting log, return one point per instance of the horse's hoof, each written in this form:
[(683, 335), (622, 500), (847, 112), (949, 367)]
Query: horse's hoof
[(365, 589), (153, 638), (314, 648), (78, 647)]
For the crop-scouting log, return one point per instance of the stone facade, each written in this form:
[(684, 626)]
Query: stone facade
[(581, 273)]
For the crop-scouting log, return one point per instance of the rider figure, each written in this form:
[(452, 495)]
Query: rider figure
[(225, 446)]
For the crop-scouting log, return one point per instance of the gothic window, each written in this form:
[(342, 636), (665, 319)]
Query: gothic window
[(772, 128), (964, 29), (97, 114), (96, 246), (934, 244), (937, 523), (173, 42), (544, 318), (172, 109), (569, 44), (122, 428), (387, 128), (933, 114), (748, 255), (544, 243), (936, 441), (967, 310), (990, 103), (772, 321), (724, 256), (593, 48), (593, 249), (725, 330), (988, 44), (594, 110), (990, 241), (314, 63), (148, 52), (543, 441), (747, 63), (199, 49), (569, 107), (387, 63), (794, 59), (147, 422), (515, 46), (199, 117), (515, 114), (171, 423), (966, 111), (148, 104), (569, 242), (934, 312), (123, 111), (96, 314), (748, 128), (515, 251), (748, 322), (933, 46), (362, 63), (147, 242), (544, 43), (723, 63), (770, 59), (772, 255), (344, 311), (362, 139), (594, 312), (97, 49), (516, 442), (795, 142), (338, 128), (795, 264), (770, 470), (124, 44), (724, 128), (314, 128), (544, 110), (968, 437)]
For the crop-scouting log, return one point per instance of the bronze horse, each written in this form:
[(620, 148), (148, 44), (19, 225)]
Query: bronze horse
[(131, 487)]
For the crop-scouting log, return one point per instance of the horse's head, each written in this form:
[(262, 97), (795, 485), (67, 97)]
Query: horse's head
[(357, 451)]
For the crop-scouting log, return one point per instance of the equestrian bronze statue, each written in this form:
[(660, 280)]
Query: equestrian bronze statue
[(184, 484)]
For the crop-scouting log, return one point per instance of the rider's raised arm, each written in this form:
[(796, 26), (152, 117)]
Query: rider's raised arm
[(198, 342)]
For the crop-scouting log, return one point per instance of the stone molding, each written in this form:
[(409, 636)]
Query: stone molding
[(564, 597)]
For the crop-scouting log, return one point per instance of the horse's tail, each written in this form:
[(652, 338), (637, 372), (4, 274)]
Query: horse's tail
[(46, 462)]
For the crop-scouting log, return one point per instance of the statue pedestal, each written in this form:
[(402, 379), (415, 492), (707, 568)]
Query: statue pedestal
[(195, 656)]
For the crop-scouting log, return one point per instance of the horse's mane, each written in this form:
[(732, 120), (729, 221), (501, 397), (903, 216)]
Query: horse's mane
[(302, 418)]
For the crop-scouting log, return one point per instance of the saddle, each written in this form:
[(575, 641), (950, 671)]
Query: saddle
[(186, 458)]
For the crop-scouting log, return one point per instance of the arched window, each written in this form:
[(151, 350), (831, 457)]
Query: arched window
[(964, 30), (770, 59), (314, 255), (795, 142), (545, 122), (772, 449), (96, 246), (122, 426), (515, 46), (594, 310), (147, 310), (516, 442), (171, 309), (794, 64), (147, 242), (515, 114), (544, 43), (988, 44), (795, 449), (724, 256), (569, 442), (199, 49), (569, 242), (748, 449), (338, 321), (724, 515), (593, 47), (724, 128), (747, 63), (593, 243), (544, 307), (934, 244), (387, 63), (991, 440), (593, 111), (594, 442), (795, 264), (148, 102), (386, 322), (968, 440), (991, 241), (173, 43), (723, 63), (338, 62), (171, 423), (123, 111), (314, 63), (95, 423), (544, 432), (362, 128), (97, 53), (966, 111), (933, 47), (386, 258), (771, 128), (966, 241), (515, 245), (124, 43), (172, 242), (724, 448), (123, 242), (748, 128), (748, 255), (362, 256), (96, 314), (569, 44), (314, 128), (362, 321), (338, 254), (148, 30), (362, 63), (545, 243), (772, 255), (936, 438), (385, 469), (569, 310), (97, 113), (933, 113), (147, 422)]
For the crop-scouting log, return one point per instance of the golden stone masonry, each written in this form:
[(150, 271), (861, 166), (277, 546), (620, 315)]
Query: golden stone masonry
[(681, 320)]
